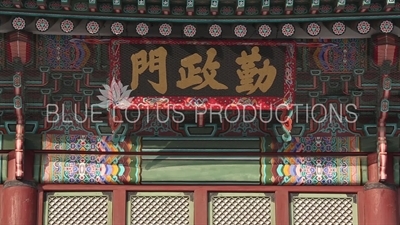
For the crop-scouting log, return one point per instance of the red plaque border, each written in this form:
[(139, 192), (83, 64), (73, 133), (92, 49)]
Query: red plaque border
[(193, 102)]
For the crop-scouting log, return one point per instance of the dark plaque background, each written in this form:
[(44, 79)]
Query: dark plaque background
[(226, 74)]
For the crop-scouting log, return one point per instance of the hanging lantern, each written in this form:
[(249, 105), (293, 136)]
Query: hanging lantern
[(386, 49), (19, 47)]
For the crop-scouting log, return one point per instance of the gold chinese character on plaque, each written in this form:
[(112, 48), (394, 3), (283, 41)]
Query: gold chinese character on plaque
[(249, 81), (157, 60), (192, 77)]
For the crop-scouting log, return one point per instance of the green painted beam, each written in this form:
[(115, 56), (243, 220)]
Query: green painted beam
[(210, 19)]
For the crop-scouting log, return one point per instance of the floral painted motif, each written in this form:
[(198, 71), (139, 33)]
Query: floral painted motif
[(67, 26), (251, 11), (264, 30), (189, 31), (130, 8), (18, 23), (202, 11), (165, 29), (154, 9), (106, 8), (215, 30), (178, 10), (117, 28), (42, 25)]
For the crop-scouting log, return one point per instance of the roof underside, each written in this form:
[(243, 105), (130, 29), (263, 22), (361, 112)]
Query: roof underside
[(203, 13), (206, 11)]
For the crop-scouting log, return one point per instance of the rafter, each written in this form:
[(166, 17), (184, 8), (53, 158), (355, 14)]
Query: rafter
[(190, 7), (165, 6), (66, 4), (142, 6), (240, 7), (214, 7), (93, 5), (315, 6), (340, 4), (389, 5), (117, 6), (289, 6), (265, 6), (365, 5)]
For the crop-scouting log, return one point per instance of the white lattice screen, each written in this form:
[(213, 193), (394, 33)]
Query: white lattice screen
[(155, 208), (321, 209), (241, 208), (63, 208)]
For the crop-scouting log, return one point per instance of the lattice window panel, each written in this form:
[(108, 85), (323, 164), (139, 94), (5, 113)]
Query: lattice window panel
[(66, 208), (156, 208), (321, 209), (241, 209)]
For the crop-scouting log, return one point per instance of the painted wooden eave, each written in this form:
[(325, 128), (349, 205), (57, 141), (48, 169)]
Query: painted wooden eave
[(206, 11), (204, 19)]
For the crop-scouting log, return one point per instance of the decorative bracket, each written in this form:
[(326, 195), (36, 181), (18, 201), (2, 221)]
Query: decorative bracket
[(286, 120)]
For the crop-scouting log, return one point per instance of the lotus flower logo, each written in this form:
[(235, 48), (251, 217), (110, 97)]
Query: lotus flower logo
[(115, 96)]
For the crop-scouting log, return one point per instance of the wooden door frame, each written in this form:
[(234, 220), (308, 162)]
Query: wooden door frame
[(201, 193)]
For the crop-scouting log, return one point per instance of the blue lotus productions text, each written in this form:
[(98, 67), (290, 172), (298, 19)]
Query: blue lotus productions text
[(319, 113)]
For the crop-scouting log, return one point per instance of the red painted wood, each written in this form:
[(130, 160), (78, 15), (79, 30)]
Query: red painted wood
[(119, 199), (381, 207), (40, 206), (360, 207), (200, 206), (18, 205), (282, 207)]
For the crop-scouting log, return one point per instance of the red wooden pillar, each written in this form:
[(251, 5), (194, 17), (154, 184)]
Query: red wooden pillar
[(19, 200), (380, 199)]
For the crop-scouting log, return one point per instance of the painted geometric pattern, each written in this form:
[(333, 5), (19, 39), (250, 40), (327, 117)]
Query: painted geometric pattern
[(119, 169), (314, 144), (87, 169), (237, 210), (323, 210), (2, 51), (67, 52), (89, 143), (340, 55), (157, 210), (71, 210), (311, 171)]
